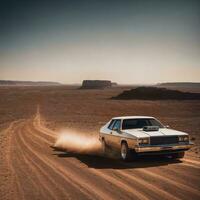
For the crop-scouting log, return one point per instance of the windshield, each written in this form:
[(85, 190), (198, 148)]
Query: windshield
[(140, 123)]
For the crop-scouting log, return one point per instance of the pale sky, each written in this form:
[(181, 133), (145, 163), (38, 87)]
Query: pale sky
[(128, 42)]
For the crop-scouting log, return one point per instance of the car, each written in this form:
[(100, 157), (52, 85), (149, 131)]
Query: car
[(133, 136)]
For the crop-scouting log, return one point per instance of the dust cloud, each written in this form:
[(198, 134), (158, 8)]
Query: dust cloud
[(77, 142)]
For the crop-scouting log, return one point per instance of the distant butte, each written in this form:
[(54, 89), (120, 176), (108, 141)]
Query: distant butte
[(96, 84)]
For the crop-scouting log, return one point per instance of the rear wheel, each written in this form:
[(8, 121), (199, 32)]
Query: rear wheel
[(178, 155), (126, 154)]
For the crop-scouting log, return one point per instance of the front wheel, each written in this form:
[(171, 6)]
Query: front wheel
[(126, 154)]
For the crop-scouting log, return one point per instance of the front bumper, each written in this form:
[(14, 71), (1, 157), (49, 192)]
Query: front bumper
[(163, 148)]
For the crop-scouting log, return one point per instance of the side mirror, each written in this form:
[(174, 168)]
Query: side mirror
[(116, 129), (167, 126)]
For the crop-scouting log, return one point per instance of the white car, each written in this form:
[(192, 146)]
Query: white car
[(142, 135)]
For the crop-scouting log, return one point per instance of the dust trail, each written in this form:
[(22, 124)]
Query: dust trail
[(78, 142)]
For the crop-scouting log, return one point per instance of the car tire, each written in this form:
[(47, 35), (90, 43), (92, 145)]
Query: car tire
[(178, 155), (126, 154)]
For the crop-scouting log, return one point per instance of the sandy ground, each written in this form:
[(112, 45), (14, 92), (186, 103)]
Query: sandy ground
[(31, 169)]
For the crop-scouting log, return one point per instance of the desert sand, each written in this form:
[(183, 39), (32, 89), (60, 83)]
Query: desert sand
[(31, 119)]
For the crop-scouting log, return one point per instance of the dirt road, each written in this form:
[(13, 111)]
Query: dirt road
[(36, 171)]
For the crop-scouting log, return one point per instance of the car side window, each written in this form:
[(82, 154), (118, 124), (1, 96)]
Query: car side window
[(111, 124), (117, 124)]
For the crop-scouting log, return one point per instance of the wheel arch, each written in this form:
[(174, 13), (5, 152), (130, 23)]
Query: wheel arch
[(124, 141)]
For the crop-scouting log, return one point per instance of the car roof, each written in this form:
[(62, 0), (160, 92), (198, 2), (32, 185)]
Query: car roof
[(133, 117)]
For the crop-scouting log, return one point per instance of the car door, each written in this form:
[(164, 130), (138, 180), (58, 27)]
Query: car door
[(114, 136), (107, 131)]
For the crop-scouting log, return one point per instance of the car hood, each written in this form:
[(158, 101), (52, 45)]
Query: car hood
[(139, 133)]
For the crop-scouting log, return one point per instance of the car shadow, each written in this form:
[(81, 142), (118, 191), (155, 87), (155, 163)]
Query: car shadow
[(100, 162)]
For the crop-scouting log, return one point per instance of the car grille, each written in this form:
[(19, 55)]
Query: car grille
[(163, 140)]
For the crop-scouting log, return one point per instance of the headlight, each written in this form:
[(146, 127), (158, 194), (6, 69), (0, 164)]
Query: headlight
[(184, 138), (143, 141)]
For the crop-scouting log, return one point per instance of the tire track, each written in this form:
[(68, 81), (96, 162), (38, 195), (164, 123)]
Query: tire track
[(176, 174), (15, 184), (152, 188), (49, 164), (43, 189), (79, 185), (6, 163), (26, 174), (175, 184)]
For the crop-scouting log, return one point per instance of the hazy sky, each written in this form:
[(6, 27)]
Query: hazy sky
[(136, 41)]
